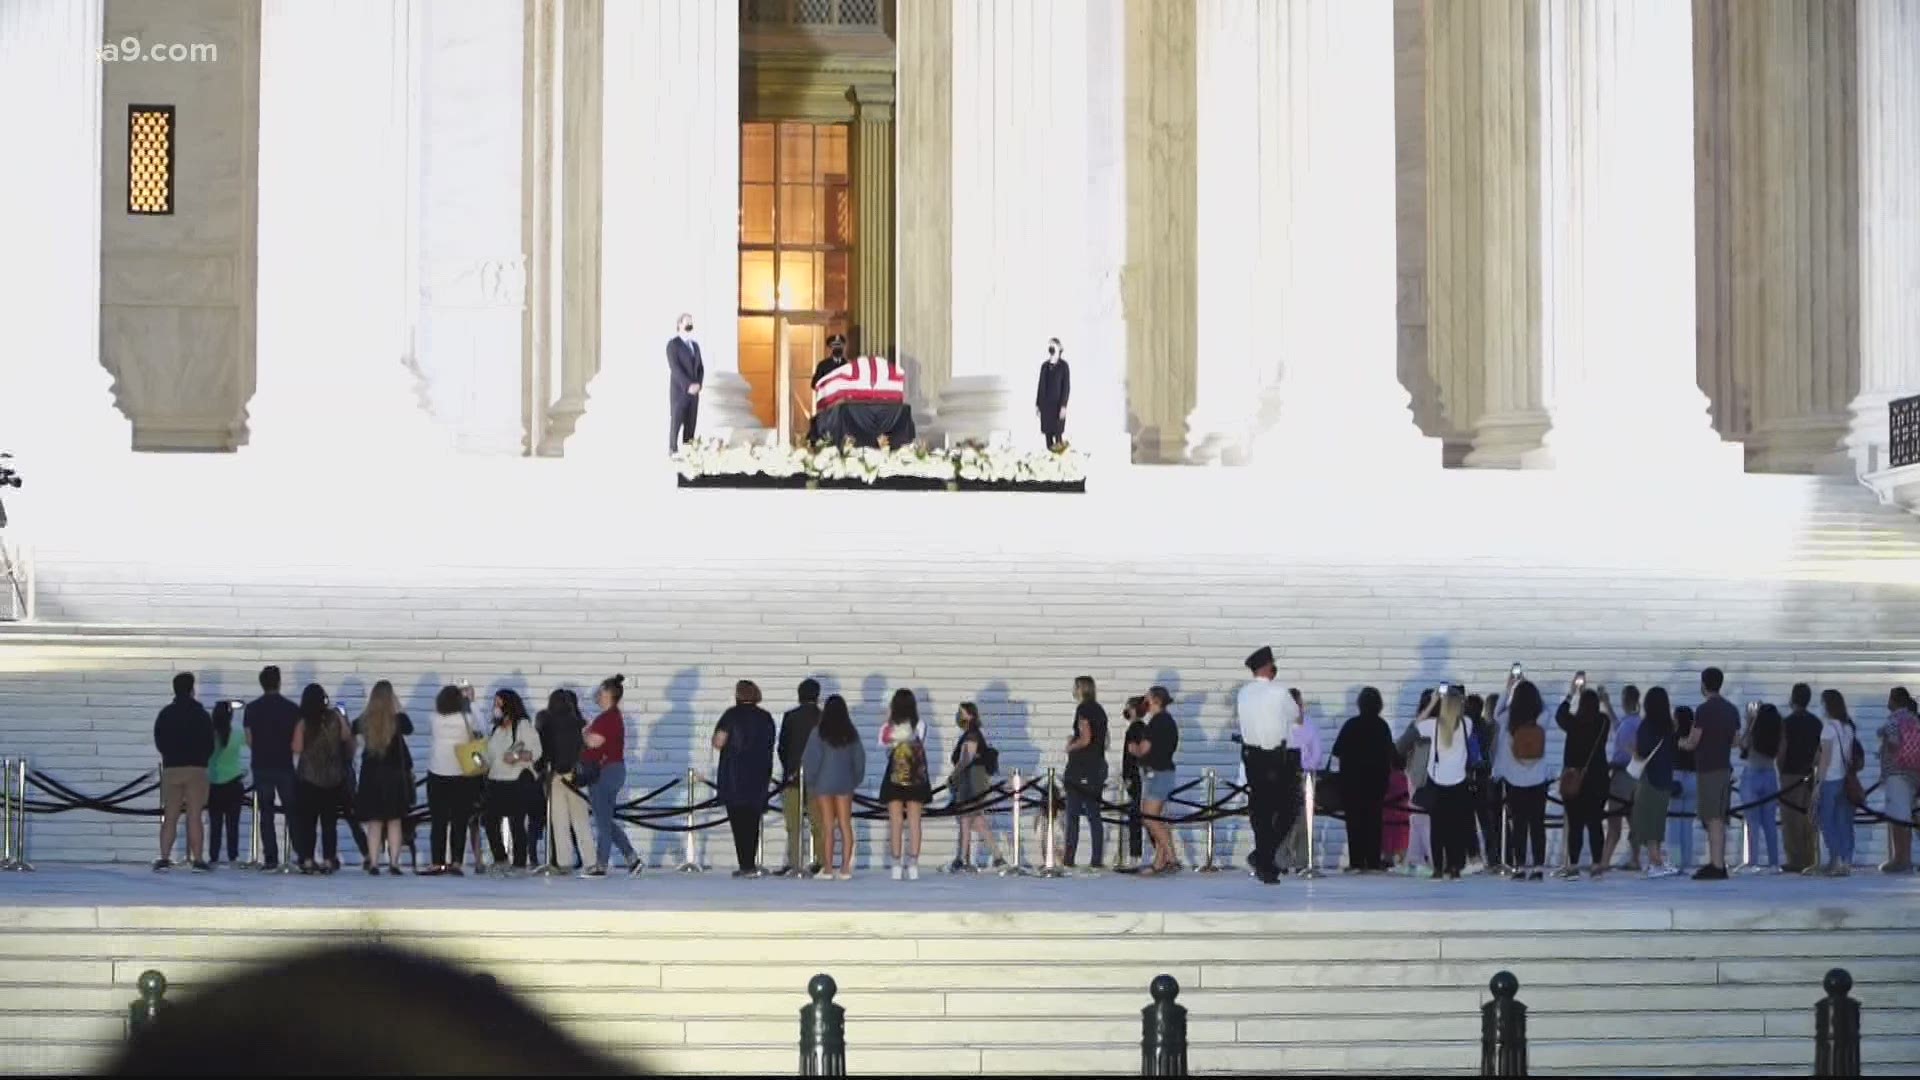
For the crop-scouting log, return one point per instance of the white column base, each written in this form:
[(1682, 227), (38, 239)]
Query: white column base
[(980, 407), (1867, 438), (1629, 444), (1504, 440), (1801, 444), (726, 409), (1305, 428)]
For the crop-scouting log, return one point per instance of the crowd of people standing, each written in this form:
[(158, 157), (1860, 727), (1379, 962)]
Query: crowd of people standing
[(1465, 786)]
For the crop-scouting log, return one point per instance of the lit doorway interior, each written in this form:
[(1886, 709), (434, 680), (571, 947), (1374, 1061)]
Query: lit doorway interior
[(796, 252)]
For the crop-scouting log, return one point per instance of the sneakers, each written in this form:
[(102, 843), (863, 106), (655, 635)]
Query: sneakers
[(844, 875), (636, 869), (1896, 868), (898, 871), (594, 871), (956, 867), (161, 866), (913, 870), (201, 867), (1841, 870), (1566, 873), (1710, 872)]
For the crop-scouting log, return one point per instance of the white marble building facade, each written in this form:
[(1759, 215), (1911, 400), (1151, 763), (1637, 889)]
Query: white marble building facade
[(471, 223)]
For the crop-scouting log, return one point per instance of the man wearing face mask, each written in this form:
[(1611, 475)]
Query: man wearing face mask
[(1050, 401), (837, 355), (688, 370)]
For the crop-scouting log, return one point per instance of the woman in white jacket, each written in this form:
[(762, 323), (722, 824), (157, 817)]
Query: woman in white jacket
[(513, 791)]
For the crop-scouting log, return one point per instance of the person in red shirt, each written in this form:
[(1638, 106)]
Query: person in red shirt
[(606, 748)]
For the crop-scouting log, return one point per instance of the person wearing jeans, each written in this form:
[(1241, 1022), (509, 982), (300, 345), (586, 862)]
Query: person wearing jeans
[(270, 720), (1686, 800), (1760, 782), (606, 747), (1836, 810), (1086, 774)]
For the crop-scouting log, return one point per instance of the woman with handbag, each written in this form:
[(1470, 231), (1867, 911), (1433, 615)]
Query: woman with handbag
[(1520, 767), (323, 748), (386, 775), (1446, 796), (1583, 777), (512, 791), (1652, 770), (456, 771), (1840, 761)]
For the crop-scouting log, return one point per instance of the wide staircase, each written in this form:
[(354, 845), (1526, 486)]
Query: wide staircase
[(1379, 977), (1774, 579)]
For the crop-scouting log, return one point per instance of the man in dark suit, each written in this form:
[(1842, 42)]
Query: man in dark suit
[(688, 371), (1050, 401)]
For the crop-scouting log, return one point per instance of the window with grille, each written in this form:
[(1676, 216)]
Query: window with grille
[(150, 159), (850, 13)]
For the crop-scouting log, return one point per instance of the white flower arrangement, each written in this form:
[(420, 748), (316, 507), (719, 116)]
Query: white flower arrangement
[(968, 463)]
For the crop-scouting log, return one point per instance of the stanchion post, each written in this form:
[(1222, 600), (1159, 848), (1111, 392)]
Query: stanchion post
[(1836, 1028), (1312, 869), (1163, 1030), (1207, 863), (19, 845), (288, 863), (690, 862), (551, 868), (760, 860), (1122, 853), (6, 813), (823, 1030), (808, 856), (1503, 1029), (1014, 868), (1501, 823), (1049, 863), (151, 1006)]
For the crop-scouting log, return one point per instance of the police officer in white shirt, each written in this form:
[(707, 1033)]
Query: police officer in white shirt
[(1266, 714)]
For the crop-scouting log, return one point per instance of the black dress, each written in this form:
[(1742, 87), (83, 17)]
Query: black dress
[(386, 780)]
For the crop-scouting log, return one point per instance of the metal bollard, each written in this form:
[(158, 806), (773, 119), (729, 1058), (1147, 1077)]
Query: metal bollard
[(1836, 1028), (148, 1009), (289, 863), (760, 860), (1014, 867), (17, 848), (823, 1030), (690, 862), (253, 838), (808, 856), (6, 813), (1207, 865), (1503, 1029), (1312, 869), (1163, 1031), (1050, 864)]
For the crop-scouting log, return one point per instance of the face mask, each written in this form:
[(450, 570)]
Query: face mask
[(839, 350), (687, 330)]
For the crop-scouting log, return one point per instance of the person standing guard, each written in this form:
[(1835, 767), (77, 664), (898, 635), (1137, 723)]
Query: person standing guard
[(687, 371), (1050, 400), (1263, 713)]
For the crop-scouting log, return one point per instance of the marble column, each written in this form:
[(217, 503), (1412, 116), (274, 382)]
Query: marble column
[(177, 294), (1328, 154), (1018, 197), (1888, 47), (51, 335), (1238, 296), (1617, 209), (560, 188), (1160, 283), (1482, 232), (670, 239), (1097, 422), (1729, 98), (338, 245), (873, 224), (1807, 315), (924, 183)]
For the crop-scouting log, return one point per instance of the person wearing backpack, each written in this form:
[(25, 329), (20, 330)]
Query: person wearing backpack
[(1520, 766), (1760, 780), (974, 763), (323, 749), (1839, 766), (1899, 778)]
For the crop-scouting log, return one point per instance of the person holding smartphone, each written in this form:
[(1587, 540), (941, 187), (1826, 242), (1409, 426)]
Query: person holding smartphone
[(513, 745)]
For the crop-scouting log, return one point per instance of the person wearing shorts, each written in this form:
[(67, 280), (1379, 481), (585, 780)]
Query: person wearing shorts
[(1158, 777), (183, 733), (1716, 727)]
